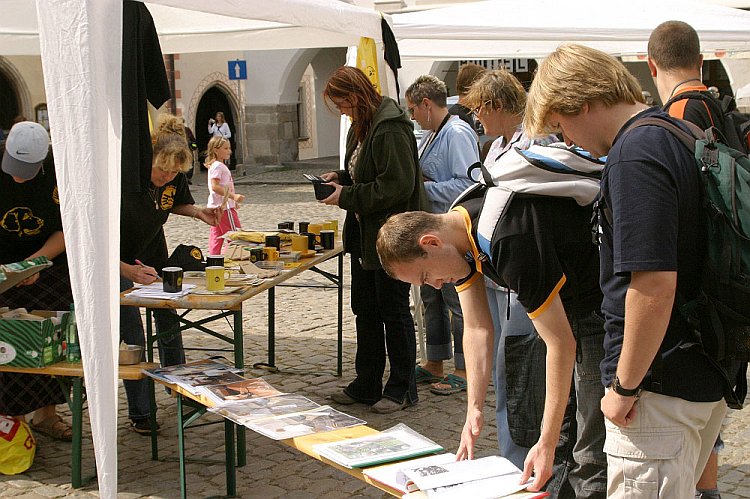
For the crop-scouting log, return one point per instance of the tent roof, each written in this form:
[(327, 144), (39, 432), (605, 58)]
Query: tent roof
[(193, 25), (495, 28)]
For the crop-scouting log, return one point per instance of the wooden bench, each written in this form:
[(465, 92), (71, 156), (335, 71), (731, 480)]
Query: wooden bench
[(71, 374)]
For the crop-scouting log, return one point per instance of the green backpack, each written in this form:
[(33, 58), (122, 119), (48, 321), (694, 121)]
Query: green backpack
[(720, 315)]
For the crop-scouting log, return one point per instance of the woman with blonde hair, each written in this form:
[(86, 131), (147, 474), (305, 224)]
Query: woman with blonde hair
[(143, 250), (382, 177), (221, 193)]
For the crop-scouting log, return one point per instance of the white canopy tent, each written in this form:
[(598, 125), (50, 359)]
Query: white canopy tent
[(506, 29), (80, 45)]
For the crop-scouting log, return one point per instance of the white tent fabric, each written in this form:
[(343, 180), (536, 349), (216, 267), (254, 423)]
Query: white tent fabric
[(505, 28), (80, 59), (80, 45), (194, 26)]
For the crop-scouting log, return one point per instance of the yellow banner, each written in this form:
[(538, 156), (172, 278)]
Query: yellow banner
[(367, 61)]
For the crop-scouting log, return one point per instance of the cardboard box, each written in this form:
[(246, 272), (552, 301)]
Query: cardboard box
[(31, 342)]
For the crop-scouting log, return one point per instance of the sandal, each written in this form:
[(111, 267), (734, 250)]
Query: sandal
[(54, 427), (425, 376), (449, 385)]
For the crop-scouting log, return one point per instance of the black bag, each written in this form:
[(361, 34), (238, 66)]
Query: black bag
[(188, 257), (736, 125)]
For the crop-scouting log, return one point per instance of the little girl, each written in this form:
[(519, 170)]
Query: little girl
[(221, 192)]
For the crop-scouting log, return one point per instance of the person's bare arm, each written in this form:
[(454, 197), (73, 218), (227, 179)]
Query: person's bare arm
[(478, 352)]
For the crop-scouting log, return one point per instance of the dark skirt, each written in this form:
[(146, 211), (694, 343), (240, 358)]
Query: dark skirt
[(23, 393)]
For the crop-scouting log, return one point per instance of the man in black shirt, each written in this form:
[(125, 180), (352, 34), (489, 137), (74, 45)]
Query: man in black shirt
[(541, 249), (662, 421)]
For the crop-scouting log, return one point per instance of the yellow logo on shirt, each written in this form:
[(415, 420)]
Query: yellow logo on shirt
[(167, 198), (22, 221), (55, 196)]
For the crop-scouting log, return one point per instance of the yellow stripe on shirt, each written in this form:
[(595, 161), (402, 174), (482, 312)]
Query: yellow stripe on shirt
[(539, 311)]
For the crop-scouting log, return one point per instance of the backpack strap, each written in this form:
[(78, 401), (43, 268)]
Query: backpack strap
[(688, 139)]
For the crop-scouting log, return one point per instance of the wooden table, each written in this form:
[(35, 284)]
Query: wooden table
[(231, 305), (71, 373), (303, 444)]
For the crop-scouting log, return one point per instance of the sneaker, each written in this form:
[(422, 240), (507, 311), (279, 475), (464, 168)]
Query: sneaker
[(342, 398), (143, 426), (387, 406)]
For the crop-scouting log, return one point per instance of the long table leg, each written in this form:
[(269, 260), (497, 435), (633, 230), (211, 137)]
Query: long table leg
[(340, 319), (229, 456), (239, 361), (272, 327), (77, 410), (181, 448)]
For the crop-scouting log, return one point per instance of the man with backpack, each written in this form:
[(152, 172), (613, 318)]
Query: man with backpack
[(675, 62), (663, 402), (540, 247)]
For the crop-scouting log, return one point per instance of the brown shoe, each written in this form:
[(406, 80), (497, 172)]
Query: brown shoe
[(387, 406), (54, 427)]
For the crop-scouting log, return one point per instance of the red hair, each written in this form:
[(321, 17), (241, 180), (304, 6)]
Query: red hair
[(352, 84)]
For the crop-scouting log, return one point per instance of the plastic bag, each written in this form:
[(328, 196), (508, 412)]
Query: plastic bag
[(17, 446)]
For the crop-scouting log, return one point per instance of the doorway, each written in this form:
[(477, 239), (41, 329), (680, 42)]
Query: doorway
[(9, 108), (213, 101)]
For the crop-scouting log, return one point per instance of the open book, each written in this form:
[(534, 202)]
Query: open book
[(486, 478), (399, 442)]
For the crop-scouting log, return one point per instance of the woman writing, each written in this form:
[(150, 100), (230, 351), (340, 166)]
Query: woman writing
[(143, 250), (381, 177), (31, 226)]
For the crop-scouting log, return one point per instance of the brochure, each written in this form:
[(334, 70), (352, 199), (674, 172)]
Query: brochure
[(318, 420), (239, 390), (13, 273), (245, 411), (400, 442), (432, 476), (391, 475), (191, 375)]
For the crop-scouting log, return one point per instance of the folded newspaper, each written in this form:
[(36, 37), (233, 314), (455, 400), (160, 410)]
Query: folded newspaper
[(13, 273)]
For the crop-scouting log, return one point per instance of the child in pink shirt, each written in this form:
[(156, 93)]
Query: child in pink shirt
[(221, 192)]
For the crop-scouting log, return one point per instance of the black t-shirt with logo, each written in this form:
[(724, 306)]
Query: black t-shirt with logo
[(651, 186), (29, 214), (541, 246), (142, 217)]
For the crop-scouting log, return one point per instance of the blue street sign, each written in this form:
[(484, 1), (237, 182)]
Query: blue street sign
[(237, 70)]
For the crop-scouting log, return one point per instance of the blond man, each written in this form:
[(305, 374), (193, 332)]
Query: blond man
[(664, 401)]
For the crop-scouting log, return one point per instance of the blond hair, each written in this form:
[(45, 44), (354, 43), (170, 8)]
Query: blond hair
[(498, 90), (574, 75), (215, 143), (398, 238), (171, 151)]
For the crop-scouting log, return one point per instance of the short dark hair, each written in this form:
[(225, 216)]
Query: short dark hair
[(675, 45), (398, 238), (427, 87), (467, 74)]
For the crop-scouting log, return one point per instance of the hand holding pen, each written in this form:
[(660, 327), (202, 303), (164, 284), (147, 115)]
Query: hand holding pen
[(143, 274)]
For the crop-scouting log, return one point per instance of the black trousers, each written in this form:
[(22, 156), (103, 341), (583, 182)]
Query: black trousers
[(384, 326)]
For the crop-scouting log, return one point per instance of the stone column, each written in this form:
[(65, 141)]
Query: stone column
[(271, 132)]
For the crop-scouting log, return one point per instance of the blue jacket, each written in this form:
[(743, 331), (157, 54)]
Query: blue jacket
[(444, 163)]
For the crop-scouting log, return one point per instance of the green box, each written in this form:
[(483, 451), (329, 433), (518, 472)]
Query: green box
[(31, 343)]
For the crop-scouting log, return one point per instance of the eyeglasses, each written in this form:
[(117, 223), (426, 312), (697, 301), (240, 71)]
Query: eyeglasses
[(478, 109), (411, 109)]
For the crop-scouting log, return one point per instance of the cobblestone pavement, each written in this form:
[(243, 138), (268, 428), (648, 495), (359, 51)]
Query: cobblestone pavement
[(306, 355)]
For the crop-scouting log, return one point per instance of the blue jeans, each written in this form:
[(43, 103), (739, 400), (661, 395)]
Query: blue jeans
[(384, 327), (170, 350), (519, 324), (439, 324)]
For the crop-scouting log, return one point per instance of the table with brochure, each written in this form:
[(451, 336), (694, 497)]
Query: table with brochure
[(397, 460), (230, 305)]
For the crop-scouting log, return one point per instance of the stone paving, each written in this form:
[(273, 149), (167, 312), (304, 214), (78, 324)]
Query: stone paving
[(306, 355)]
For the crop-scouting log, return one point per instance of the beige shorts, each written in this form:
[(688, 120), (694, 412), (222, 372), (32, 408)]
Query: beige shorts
[(663, 451)]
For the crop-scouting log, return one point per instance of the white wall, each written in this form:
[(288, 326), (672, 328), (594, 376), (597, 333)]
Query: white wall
[(327, 121)]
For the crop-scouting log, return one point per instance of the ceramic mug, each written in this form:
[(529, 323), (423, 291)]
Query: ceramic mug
[(299, 243), (172, 279), (216, 278), (327, 238), (215, 261), (270, 253)]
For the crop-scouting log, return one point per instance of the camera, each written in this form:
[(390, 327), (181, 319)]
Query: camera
[(211, 121)]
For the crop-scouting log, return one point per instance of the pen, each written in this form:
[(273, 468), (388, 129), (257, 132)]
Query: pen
[(144, 266)]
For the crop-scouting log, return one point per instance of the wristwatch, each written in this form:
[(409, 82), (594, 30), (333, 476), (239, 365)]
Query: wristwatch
[(625, 392)]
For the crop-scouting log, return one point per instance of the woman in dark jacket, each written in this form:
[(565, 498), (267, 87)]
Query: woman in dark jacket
[(381, 177)]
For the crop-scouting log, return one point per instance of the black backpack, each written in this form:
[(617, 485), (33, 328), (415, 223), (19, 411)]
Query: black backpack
[(735, 128), (720, 315)]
